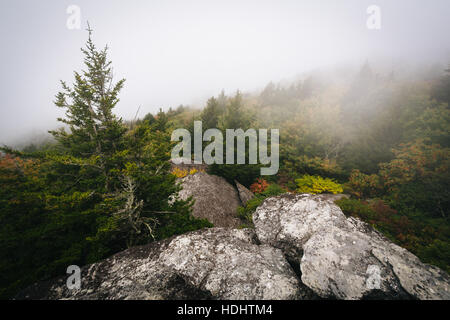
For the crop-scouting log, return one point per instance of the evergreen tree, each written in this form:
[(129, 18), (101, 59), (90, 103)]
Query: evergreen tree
[(210, 115), (235, 116), (95, 133), (222, 101), (100, 189)]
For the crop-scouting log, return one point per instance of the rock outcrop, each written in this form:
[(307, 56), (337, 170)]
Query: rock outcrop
[(244, 194), (341, 257), (215, 199), (303, 247), (212, 263)]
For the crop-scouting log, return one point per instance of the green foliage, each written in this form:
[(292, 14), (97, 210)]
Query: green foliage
[(230, 114), (211, 114), (317, 184), (378, 214), (179, 223), (105, 184), (437, 253), (363, 186), (244, 173), (355, 207), (246, 212), (40, 233), (101, 189), (441, 89), (415, 184), (273, 190), (235, 116), (417, 179), (378, 136), (426, 238), (94, 128), (296, 165)]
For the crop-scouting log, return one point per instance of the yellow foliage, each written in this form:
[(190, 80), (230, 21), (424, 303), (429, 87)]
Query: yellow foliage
[(317, 184), (181, 173)]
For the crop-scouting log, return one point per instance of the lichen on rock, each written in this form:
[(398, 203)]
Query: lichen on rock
[(338, 255)]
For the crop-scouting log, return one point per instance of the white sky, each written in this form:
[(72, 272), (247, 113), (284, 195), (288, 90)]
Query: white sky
[(181, 52)]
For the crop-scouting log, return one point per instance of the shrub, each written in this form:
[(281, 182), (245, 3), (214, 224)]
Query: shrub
[(362, 185), (259, 186), (317, 184), (179, 223), (426, 238), (297, 165), (244, 173), (273, 190), (356, 208), (181, 173), (417, 179), (379, 214), (246, 212), (437, 253)]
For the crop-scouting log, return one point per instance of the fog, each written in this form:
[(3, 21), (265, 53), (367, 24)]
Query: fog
[(182, 52)]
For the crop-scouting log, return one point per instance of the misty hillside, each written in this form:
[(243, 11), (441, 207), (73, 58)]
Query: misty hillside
[(167, 165)]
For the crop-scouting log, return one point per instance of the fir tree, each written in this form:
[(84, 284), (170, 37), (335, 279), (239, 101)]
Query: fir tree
[(95, 133), (210, 115)]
